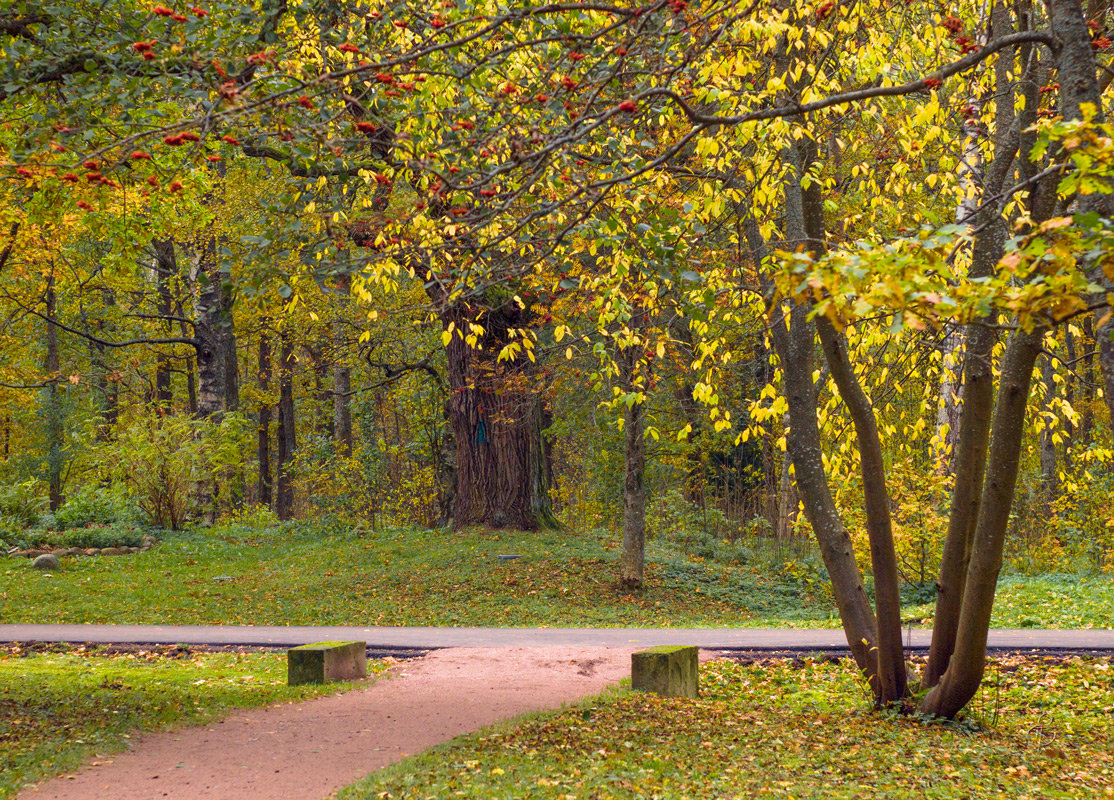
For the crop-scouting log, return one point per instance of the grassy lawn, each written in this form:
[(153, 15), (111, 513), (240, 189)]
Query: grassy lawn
[(59, 709), (308, 574), (788, 729)]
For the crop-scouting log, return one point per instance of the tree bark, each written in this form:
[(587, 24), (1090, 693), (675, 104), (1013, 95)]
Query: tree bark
[(52, 405), (498, 418), (165, 268), (263, 430), (965, 668), (342, 381), (632, 560), (287, 439), (892, 681), (794, 345), (212, 383)]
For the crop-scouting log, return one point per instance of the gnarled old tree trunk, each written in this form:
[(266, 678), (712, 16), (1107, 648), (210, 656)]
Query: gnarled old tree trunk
[(498, 417)]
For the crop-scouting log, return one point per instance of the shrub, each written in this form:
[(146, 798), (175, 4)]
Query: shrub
[(92, 505), (162, 460), (101, 536), (23, 502)]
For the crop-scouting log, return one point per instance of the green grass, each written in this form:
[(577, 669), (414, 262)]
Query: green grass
[(317, 574), (59, 709), (787, 729)]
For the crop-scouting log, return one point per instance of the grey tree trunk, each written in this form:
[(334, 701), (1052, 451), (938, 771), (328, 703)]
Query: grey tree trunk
[(166, 266), (342, 382), (53, 425), (287, 438), (632, 560), (212, 381), (263, 430)]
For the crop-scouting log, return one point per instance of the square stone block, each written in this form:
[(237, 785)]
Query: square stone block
[(672, 671), (322, 662)]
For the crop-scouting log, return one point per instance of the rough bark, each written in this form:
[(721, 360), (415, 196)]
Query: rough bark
[(212, 383), (1048, 448), (165, 268), (497, 418), (263, 430), (632, 559), (342, 382), (965, 668), (287, 439), (52, 402)]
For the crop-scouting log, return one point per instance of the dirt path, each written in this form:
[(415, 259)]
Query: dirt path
[(306, 751)]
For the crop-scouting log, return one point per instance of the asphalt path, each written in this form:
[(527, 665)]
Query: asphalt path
[(410, 639)]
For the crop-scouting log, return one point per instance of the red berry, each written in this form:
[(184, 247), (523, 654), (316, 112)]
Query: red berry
[(139, 155), (305, 102), (151, 179), (162, 11), (189, 137), (84, 206), (199, 12), (69, 176), (26, 173), (212, 158), (366, 127), (175, 187), (349, 48), (629, 106), (230, 140), (90, 164)]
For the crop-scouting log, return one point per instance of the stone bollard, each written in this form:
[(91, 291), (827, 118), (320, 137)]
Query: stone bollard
[(672, 671), (322, 662)]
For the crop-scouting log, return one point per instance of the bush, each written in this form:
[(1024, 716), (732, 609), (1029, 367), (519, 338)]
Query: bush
[(12, 533), (162, 460), (99, 536), (92, 505), (701, 532), (23, 502)]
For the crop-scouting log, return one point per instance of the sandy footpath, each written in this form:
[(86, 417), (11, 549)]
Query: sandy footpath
[(306, 751)]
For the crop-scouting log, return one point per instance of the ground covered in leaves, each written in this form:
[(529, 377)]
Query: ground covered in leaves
[(1040, 728), (318, 572), (60, 707)]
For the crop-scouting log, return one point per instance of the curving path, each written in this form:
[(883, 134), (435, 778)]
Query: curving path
[(306, 751), (472, 678)]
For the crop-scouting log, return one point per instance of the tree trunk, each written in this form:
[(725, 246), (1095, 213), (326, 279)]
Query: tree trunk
[(892, 684), (212, 381), (1048, 471), (342, 381), (965, 669), (498, 418), (165, 268), (632, 560), (287, 440), (970, 454), (794, 345), (52, 405), (263, 431)]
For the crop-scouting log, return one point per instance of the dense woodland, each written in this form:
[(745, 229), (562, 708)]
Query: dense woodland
[(784, 270)]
